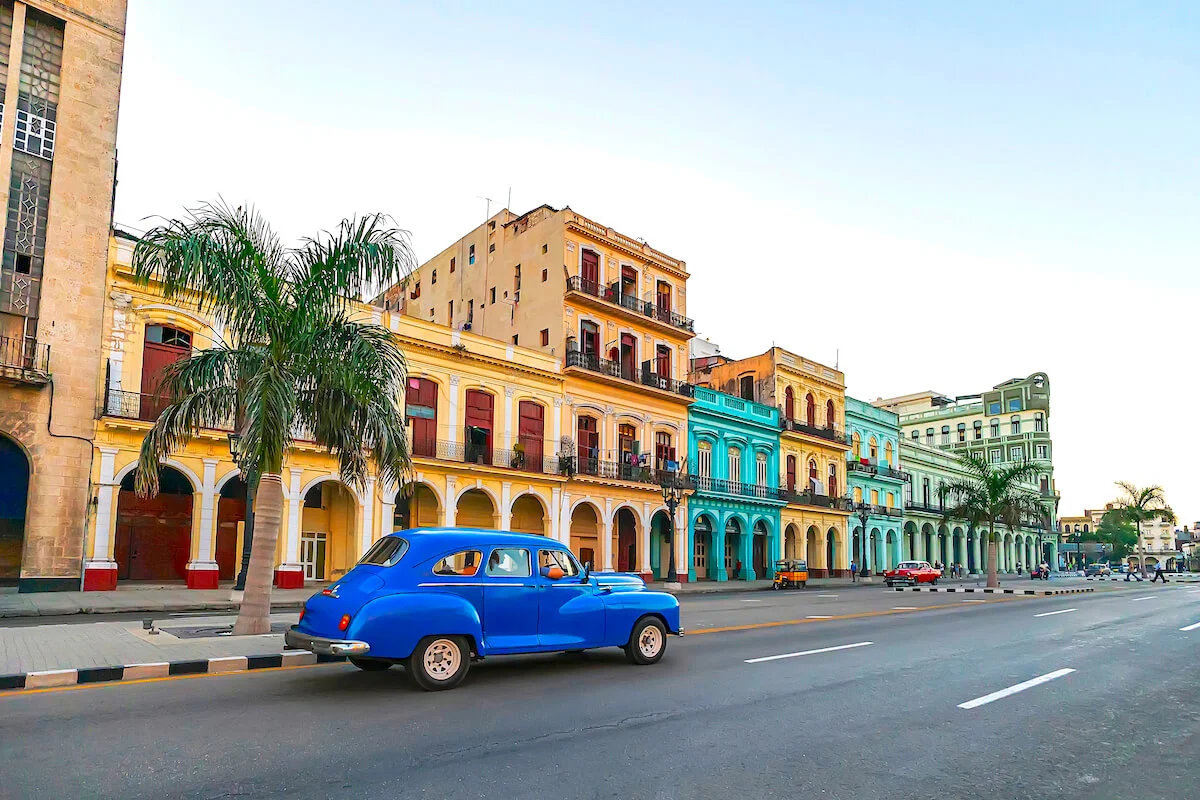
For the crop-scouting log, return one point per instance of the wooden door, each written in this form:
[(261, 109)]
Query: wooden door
[(810, 411), (626, 543), (789, 403), (479, 416), (628, 357), (591, 268), (663, 362), (791, 473), (157, 356), (421, 408), (230, 511), (587, 440), (760, 556), (530, 433), (153, 536), (589, 338)]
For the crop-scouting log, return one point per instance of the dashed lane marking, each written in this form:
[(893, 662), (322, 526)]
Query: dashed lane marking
[(807, 652), (817, 616), (1020, 687), (1052, 613), (1191, 627), (1147, 597), (904, 608), (974, 601)]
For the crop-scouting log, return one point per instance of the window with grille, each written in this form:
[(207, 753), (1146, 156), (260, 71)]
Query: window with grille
[(760, 469), (704, 459)]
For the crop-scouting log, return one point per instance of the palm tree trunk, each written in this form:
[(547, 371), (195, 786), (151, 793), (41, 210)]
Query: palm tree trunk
[(993, 580), (254, 616)]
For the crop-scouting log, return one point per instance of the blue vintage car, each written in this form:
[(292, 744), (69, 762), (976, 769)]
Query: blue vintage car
[(433, 599)]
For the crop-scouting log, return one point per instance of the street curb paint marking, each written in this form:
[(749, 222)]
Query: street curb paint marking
[(1052, 613), (807, 652), (1191, 627), (1020, 687), (132, 673), (1031, 592)]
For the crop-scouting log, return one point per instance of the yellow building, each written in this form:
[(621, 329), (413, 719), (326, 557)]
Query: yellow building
[(608, 310), (60, 83), (811, 399), (510, 477)]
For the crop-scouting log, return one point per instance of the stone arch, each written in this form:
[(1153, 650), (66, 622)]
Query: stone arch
[(627, 530), (832, 551), (154, 534), (705, 555), (908, 548), (814, 553), (192, 477), (735, 532), (476, 507), (792, 543), (529, 513), (329, 527), (890, 549), (661, 538), (418, 504), (586, 527), (17, 468)]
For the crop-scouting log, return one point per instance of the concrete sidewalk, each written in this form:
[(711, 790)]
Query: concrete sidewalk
[(123, 601)]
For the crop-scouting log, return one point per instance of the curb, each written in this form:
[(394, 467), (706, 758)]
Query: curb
[(1037, 592), (1176, 579), (13, 613), (161, 669)]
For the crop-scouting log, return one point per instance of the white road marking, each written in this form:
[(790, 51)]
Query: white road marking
[(1147, 597), (827, 595), (904, 608), (1020, 687), (974, 601), (1052, 613), (1194, 591), (750, 601), (1191, 627), (807, 652), (817, 616)]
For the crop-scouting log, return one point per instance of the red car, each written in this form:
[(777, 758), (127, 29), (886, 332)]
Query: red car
[(912, 573)]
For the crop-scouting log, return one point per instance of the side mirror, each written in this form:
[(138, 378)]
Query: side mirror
[(587, 572), (555, 573)]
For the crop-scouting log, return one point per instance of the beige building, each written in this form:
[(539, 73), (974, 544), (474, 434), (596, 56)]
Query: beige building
[(60, 61)]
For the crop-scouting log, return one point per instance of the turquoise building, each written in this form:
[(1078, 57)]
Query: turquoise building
[(876, 484), (733, 514)]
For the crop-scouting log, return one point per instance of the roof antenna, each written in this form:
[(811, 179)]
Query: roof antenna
[(509, 206), (837, 359)]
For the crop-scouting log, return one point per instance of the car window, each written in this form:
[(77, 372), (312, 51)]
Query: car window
[(908, 565), (464, 563), (509, 562), (557, 558), (386, 552)]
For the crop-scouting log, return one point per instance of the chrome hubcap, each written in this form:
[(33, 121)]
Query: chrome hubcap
[(650, 642), (442, 659)]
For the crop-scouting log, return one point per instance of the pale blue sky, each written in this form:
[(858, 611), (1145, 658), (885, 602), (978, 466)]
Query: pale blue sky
[(942, 195)]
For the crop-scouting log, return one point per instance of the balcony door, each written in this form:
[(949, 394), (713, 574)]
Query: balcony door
[(628, 356), (420, 406), (163, 347), (587, 440), (531, 433), (589, 338), (590, 270), (479, 427)]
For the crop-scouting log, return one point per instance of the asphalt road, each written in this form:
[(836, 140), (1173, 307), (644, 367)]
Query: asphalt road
[(870, 721)]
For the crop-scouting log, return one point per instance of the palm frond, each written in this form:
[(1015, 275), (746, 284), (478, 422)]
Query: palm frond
[(363, 253)]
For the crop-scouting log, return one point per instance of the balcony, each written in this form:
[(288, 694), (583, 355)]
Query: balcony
[(133, 405), (883, 471), (876, 510), (928, 508), (644, 308), (814, 499), (23, 360), (468, 452), (825, 432), (739, 488), (612, 369)]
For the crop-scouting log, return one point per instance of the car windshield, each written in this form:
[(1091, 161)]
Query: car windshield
[(560, 559), (386, 552), (909, 565)]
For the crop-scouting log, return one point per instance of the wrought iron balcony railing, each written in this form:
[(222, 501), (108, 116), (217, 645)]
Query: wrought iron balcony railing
[(878, 469), (612, 294), (614, 369), (23, 359), (468, 452), (814, 499), (825, 432), (739, 488)]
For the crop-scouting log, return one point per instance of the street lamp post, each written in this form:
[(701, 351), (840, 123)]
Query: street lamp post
[(862, 511), (672, 493)]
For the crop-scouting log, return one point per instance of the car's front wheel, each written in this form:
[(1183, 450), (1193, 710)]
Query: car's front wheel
[(439, 662), (370, 664), (647, 642)]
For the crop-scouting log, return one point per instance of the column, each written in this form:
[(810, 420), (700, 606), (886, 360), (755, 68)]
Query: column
[(644, 544), (555, 513), (367, 502), (556, 426), (451, 511), (506, 506), (716, 555), (1054, 554), (387, 516), (747, 548), (452, 423), (606, 550), (202, 572), (682, 539), (100, 571), (563, 510), (508, 418), (290, 574)]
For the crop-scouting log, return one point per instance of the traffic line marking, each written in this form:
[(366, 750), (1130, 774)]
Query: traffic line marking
[(1052, 613), (974, 601), (808, 652), (817, 616), (1020, 687), (1194, 591), (754, 600), (904, 608), (1191, 627), (827, 595), (1147, 597)]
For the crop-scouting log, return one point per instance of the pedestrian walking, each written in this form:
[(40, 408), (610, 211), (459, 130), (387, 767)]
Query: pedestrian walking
[(1130, 573), (1159, 574), (853, 572)]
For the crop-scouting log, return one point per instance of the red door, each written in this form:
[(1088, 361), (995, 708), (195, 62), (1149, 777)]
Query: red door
[(789, 403), (628, 357), (479, 427), (626, 543), (588, 442), (421, 408), (172, 345), (153, 536), (791, 473), (230, 511), (591, 268), (664, 301), (810, 411), (530, 433), (663, 365)]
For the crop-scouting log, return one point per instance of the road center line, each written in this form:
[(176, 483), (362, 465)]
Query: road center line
[(807, 652), (827, 595), (1147, 597), (1052, 613), (904, 608), (1191, 627), (974, 601), (817, 616), (1020, 687)]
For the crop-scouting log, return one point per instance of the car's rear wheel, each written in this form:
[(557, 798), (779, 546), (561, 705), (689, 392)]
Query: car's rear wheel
[(647, 642), (370, 664), (439, 662)]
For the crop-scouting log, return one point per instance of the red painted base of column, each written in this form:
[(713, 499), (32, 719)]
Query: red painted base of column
[(99, 580), (646, 576), (289, 579), (202, 578)]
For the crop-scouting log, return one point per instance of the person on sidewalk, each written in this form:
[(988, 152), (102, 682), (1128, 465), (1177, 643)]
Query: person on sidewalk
[(853, 572), (1159, 574), (1132, 574)]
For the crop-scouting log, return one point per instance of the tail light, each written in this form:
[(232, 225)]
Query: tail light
[(344, 623), (302, 610)]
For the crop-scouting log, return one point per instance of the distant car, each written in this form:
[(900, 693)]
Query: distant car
[(912, 573), (1097, 570), (434, 599)]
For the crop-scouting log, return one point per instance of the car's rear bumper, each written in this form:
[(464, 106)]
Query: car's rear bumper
[(298, 640)]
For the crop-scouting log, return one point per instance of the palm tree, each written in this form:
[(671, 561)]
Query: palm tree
[(292, 360), (989, 495), (1143, 505)]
